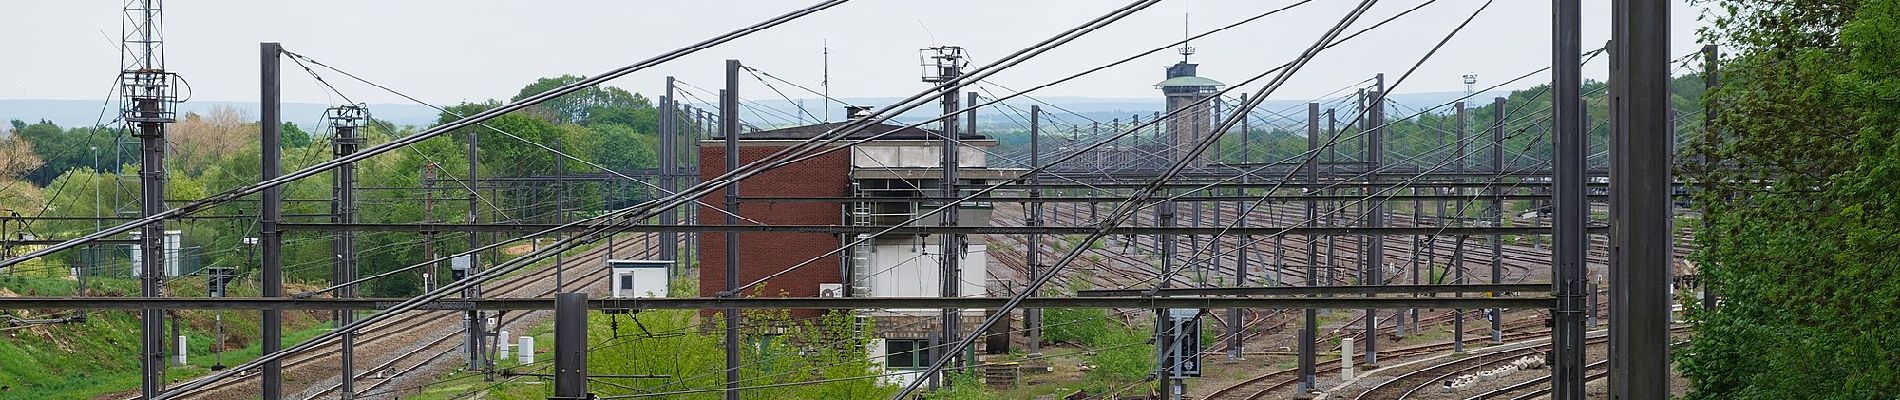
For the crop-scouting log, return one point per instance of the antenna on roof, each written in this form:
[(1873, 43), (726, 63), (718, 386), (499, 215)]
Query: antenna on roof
[(1186, 33), (825, 80)]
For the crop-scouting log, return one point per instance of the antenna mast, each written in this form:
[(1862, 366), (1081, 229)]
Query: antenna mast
[(1187, 33), (148, 100), (825, 81)]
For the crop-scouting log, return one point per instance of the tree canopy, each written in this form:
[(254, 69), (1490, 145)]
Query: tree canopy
[(1803, 219)]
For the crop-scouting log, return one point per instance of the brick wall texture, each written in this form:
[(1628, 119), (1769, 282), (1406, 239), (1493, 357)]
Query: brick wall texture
[(761, 253)]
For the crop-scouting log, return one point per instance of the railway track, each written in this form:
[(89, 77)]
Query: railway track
[(446, 343), (1417, 382), (396, 338), (1260, 387), (1410, 383), (1540, 386)]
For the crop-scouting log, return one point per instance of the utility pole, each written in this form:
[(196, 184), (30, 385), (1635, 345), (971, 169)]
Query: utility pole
[(560, 212), (1375, 244), (1711, 79), (729, 127), (1164, 336), (947, 68), (148, 99), (97, 224), (1640, 264), (1032, 317), (345, 120), (962, 250), (669, 174), (1458, 250), (1310, 326), (476, 328), (428, 215), (1246, 138), (1497, 213), (1570, 243), (271, 123)]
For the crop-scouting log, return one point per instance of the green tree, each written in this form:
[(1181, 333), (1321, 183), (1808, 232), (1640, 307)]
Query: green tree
[(293, 137), (1803, 220), (578, 107), (63, 149)]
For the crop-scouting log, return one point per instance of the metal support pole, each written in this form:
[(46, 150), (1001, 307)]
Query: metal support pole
[(1458, 250), (151, 244), (475, 321), (1164, 215), (1711, 79), (963, 243), (1375, 244), (1310, 327), (669, 171), (434, 274), (729, 127), (570, 346), (949, 245), (270, 122), (1032, 317), (560, 212), (345, 143), (1569, 243), (1236, 320), (1458, 278), (1418, 258), (1497, 213), (1640, 258), (1246, 138)]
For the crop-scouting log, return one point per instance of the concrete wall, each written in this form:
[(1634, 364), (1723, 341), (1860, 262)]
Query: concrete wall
[(902, 269), (913, 154)]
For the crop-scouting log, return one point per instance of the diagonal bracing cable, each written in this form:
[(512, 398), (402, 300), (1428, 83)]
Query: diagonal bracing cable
[(806, 148), (620, 220), (1126, 209), (1060, 159), (1313, 154), (385, 147)]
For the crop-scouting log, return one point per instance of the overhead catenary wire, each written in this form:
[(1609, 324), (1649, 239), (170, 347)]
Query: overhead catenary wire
[(597, 228), (1060, 159), (973, 107), (1126, 209), (1314, 154), (385, 147), (439, 130)]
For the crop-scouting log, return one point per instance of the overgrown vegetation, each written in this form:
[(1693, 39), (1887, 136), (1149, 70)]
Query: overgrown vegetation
[(83, 360), (53, 171), (1802, 221), (1120, 354)]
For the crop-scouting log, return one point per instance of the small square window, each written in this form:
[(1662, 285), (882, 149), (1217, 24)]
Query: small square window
[(906, 354)]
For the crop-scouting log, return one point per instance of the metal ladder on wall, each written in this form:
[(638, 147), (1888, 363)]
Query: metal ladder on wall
[(861, 215)]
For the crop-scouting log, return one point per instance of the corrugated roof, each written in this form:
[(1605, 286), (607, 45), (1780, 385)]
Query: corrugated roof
[(814, 130)]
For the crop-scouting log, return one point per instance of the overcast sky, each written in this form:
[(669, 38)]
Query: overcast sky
[(446, 51)]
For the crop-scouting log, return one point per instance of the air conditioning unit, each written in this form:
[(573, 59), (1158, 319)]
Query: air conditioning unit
[(830, 290)]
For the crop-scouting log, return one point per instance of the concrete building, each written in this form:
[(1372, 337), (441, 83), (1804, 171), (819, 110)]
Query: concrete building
[(906, 163)]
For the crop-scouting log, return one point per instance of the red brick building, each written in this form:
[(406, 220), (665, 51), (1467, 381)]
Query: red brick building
[(766, 253)]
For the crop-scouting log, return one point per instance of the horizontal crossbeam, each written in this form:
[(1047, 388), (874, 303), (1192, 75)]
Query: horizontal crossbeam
[(255, 303), (961, 230), (1322, 290)]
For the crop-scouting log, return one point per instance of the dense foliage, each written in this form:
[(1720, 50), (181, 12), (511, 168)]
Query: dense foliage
[(1803, 222), (56, 171), (781, 350)]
